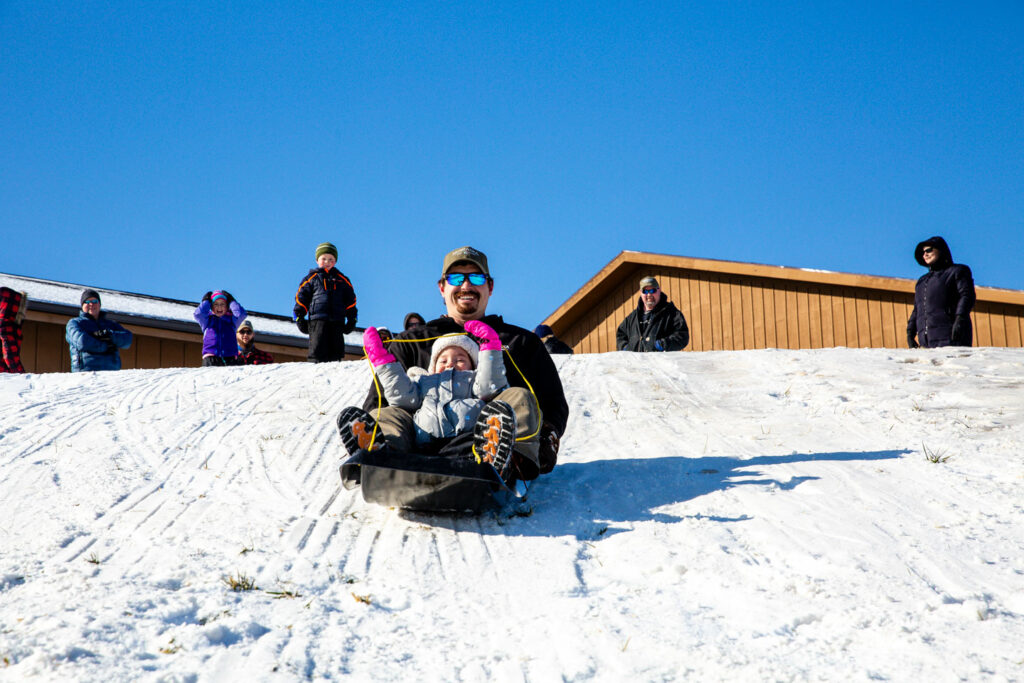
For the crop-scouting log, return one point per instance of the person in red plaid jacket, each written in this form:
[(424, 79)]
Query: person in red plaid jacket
[(248, 354), (12, 312)]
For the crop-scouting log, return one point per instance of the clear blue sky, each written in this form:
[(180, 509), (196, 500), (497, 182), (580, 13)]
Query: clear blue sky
[(170, 148)]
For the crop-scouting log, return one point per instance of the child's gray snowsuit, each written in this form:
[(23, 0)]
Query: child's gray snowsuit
[(446, 403)]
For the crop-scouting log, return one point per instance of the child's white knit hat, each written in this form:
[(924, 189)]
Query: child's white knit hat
[(460, 340)]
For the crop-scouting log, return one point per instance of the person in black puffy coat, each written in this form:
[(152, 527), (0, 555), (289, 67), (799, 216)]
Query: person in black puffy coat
[(327, 298), (943, 299), (655, 325)]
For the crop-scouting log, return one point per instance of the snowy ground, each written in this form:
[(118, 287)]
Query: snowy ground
[(758, 515)]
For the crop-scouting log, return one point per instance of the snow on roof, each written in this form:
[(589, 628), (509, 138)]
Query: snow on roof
[(143, 305)]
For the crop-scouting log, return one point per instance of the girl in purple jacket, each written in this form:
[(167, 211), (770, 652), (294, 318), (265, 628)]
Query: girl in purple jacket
[(218, 316)]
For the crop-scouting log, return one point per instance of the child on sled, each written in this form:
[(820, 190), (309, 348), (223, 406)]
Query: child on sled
[(450, 398)]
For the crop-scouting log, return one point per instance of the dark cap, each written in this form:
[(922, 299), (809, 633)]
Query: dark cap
[(90, 294), (467, 254)]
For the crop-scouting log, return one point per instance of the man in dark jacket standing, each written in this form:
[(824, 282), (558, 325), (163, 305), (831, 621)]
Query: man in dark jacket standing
[(655, 325), (943, 299), (466, 286)]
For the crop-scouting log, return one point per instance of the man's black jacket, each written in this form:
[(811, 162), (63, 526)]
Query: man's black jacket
[(667, 326)]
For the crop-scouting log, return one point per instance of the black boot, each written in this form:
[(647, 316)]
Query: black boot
[(357, 430)]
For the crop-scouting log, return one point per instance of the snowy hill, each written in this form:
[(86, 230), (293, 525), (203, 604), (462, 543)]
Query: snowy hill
[(759, 515)]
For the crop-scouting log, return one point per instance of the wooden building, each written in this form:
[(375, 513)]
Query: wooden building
[(731, 306), (165, 334)]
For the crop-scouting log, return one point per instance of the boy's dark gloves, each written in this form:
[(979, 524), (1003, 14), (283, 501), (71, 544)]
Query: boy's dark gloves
[(911, 342), (206, 297), (102, 335), (303, 325)]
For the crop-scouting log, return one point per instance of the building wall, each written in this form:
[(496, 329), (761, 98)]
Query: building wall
[(44, 348), (727, 311)]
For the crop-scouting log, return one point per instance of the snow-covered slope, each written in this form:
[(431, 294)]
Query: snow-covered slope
[(739, 515)]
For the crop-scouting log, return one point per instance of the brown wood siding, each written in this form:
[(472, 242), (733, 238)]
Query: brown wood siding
[(732, 310)]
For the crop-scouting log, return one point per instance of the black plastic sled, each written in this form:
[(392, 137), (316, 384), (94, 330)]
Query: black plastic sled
[(413, 481)]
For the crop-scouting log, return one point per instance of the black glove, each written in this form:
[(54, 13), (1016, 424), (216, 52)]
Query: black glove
[(960, 331), (102, 335), (350, 324), (111, 347), (911, 342), (206, 297), (548, 452), (227, 295), (303, 325)]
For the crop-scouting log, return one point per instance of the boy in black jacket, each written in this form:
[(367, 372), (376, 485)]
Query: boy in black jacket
[(327, 298)]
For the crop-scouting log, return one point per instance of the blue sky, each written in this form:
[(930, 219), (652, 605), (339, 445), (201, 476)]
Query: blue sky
[(170, 148)]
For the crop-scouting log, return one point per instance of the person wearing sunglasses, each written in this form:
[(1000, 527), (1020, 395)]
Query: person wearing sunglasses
[(248, 354), (943, 299), (94, 339), (466, 287), (655, 325)]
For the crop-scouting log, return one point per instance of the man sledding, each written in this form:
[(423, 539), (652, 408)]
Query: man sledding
[(530, 403)]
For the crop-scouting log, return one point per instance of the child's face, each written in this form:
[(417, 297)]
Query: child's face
[(453, 358), (326, 261), (220, 307)]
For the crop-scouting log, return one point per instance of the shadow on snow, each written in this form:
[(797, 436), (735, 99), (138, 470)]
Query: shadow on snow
[(589, 500)]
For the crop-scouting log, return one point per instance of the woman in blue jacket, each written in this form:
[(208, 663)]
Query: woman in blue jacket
[(219, 315), (94, 339)]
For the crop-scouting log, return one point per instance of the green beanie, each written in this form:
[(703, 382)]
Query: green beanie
[(326, 248)]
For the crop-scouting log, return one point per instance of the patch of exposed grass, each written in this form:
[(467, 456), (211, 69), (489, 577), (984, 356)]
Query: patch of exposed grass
[(240, 582), (934, 456)]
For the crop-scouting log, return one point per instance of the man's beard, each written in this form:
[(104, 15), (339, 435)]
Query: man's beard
[(467, 307)]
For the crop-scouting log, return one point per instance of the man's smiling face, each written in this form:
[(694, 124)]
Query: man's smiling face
[(465, 301)]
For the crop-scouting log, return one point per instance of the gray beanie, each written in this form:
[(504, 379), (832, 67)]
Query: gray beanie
[(460, 340)]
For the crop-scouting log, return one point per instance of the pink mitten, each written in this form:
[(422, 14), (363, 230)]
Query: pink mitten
[(375, 350), (485, 333)]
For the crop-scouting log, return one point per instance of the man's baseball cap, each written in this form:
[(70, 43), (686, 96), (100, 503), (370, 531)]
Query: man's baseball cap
[(468, 254), (649, 282)]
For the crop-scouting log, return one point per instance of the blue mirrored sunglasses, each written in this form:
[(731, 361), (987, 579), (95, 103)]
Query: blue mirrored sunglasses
[(650, 290), (475, 279), (91, 301)]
